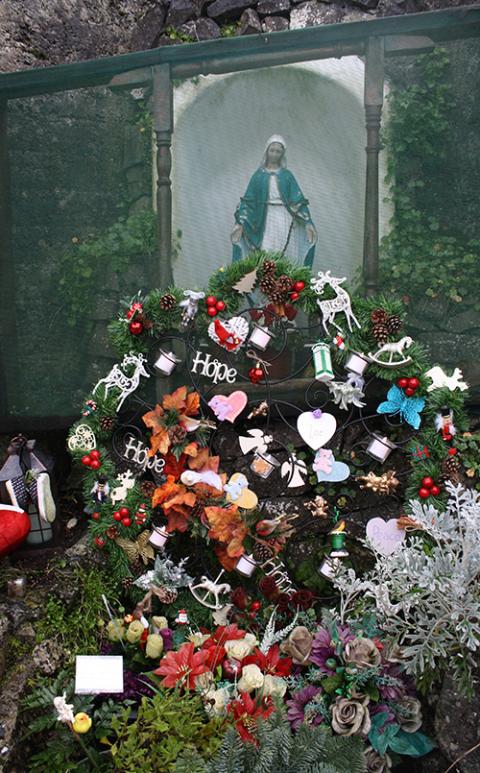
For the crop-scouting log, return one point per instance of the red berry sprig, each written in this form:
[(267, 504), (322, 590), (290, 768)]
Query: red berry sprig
[(214, 306), (410, 385), (92, 460), (297, 288), (123, 515), (428, 488), (100, 542)]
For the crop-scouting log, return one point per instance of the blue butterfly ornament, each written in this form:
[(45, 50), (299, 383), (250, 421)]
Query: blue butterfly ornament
[(409, 408)]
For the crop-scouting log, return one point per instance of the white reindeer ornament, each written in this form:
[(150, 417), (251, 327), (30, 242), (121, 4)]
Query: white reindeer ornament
[(341, 303), (126, 384)]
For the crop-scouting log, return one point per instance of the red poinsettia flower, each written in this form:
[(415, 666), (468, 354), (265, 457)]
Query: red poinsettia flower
[(247, 711), (182, 667), (214, 656), (224, 633), (271, 663)]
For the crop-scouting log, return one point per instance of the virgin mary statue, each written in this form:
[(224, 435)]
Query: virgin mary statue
[(273, 214)]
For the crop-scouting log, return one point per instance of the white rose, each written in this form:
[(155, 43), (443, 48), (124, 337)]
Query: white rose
[(198, 638), (274, 685), (240, 648), (251, 679), (216, 701)]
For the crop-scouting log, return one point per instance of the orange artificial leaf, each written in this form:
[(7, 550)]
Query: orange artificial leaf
[(159, 442), (226, 561), (179, 509), (191, 449), (153, 419), (192, 404), (175, 401), (174, 467), (221, 521), (203, 461), (166, 491)]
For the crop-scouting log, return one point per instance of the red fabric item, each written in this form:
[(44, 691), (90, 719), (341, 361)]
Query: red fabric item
[(14, 527)]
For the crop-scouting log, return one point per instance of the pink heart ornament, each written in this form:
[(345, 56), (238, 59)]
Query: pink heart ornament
[(227, 408), (385, 536)]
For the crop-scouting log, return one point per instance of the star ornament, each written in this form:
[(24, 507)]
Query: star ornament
[(408, 408)]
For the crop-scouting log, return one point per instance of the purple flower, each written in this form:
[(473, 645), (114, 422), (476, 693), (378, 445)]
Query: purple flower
[(135, 686), (380, 708), (167, 636), (297, 704), (323, 648), (392, 692)]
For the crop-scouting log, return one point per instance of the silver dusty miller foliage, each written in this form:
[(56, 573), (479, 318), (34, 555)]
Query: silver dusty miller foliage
[(427, 594), (165, 572)]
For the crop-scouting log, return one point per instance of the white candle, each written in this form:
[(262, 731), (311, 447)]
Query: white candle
[(356, 363), (380, 448), (246, 565), (166, 362), (260, 337), (158, 537)]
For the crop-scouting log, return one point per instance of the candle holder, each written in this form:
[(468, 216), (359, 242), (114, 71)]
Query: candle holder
[(246, 565), (264, 464), (322, 361), (260, 337), (158, 537), (166, 362), (357, 363), (380, 448)]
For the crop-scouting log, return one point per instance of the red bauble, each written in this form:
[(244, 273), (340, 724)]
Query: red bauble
[(409, 392), (255, 375), (117, 516), (95, 464), (402, 383), (447, 437), (211, 300), (423, 493), (95, 454), (220, 305), (130, 313), (413, 383), (255, 606), (299, 286), (86, 461), (96, 516), (428, 482), (135, 327), (435, 491), (126, 521), (294, 296), (452, 451), (99, 542), (14, 527), (124, 512), (230, 669), (212, 311)]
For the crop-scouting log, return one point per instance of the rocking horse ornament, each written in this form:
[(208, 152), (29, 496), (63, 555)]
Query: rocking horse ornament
[(126, 384), (394, 352), (212, 591), (329, 308)]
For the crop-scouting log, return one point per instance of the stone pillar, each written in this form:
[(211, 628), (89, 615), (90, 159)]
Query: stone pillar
[(162, 104), (373, 101)]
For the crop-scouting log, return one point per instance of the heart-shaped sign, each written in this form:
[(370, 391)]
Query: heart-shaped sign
[(82, 439), (316, 428), (238, 492), (14, 527), (230, 334), (385, 536), (228, 408), (327, 469)]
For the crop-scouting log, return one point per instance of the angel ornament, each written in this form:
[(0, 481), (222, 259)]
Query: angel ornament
[(256, 441), (208, 592), (394, 352), (294, 469)]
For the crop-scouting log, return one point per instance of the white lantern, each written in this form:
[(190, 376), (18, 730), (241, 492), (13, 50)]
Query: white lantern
[(322, 361), (158, 537), (166, 362), (246, 565), (380, 448), (260, 337), (264, 464), (357, 363)]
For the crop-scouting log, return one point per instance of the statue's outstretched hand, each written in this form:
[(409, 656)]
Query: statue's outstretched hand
[(311, 234), (236, 234)]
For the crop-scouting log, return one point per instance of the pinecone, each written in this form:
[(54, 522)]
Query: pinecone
[(177, 434), (379, 315), (127, 583), (451, 468), (166, 595), (284, 283), (148, 487), (268, 284), (261, 552), (380, 331), (107, 423), (167, 302), (269, 267), (394, 324), (278, 296)]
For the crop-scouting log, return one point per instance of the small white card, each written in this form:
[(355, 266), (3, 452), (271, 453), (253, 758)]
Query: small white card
[(98, 673)]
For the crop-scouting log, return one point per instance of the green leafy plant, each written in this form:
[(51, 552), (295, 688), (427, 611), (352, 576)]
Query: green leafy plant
[(166, 726), (422, 257)]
